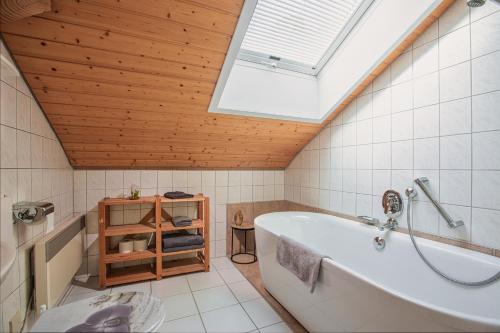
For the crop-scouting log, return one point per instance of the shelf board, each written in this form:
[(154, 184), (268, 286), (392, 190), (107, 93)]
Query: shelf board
[(169, 226), (130, 274), (197, 197), (125, 201), (115, 256), (128, 229), (166, 254), (182, 266)]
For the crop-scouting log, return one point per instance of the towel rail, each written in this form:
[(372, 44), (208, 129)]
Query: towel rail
[(422, 183)]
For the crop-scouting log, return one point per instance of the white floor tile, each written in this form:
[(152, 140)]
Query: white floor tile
[(74, 297), (144, 287), (180, 306), (276, 328), (262, 314), (222, 263), (192, 324), (231, 275), (204, 280), (214, 298), (230, 319), (244, 291), (82, 290), (170, 286)]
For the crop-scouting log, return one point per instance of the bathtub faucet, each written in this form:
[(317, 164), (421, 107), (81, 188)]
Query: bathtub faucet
[(390, 224)]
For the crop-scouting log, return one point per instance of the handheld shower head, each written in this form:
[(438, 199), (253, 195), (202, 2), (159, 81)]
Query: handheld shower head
[(410, 193), (476, 3)]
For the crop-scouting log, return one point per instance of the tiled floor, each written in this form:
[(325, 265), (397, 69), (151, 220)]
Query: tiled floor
[(221, 300)]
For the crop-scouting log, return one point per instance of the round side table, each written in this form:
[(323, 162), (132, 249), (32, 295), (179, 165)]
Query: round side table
[(245, 227)]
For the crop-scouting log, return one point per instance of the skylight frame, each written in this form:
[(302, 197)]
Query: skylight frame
[(272, 62)]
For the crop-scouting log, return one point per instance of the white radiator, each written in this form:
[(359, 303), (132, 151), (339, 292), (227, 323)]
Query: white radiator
[(57, 257)]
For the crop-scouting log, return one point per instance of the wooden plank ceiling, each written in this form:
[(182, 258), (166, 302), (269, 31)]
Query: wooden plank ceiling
[(127, 83)]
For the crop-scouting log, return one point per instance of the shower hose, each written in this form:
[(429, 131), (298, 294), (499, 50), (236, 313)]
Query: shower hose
[(484, 282)]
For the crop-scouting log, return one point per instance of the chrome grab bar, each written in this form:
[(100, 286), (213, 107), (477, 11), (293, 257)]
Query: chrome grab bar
[(422, 183)]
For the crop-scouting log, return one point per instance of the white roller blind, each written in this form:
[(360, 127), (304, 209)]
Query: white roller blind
[(298, 31)]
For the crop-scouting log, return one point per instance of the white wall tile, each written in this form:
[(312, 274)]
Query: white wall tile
[(485, 35), (179, 179), (23, 149), (402, 126), (324, 138), (456, 152), (455, 117), (485, 150), (426, 90), (23, 112), (454, 47), (364, 108), (382, 102), (485, 115), (455, 187), (485, 227), (426, 122), (402, 97), (8, 147), (207, 178), (381, 181), (426, 153), (458, 213), (8, 97), (258, 177), (485, 192), (234, 178), (364, 157), (425, 59), (382, 156), (453, 82), (364, 132), (430, 34), (401, 68), (349, 134), (131, 178), (114, 179), (382, 129), (221, 178), (402, 155), (349, 157), (455, 17), (486, 73), (383, 80), (488, 8), (165, 179)]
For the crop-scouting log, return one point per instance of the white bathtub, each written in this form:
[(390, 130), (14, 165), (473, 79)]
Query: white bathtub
[(362, 289)]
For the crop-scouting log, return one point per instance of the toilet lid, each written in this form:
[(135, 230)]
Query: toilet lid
[(116, 312)]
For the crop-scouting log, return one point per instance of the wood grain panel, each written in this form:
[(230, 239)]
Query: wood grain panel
[(126, 84), (13, 10)]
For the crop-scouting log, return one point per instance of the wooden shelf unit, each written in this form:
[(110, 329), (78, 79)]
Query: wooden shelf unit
[(110, 276)]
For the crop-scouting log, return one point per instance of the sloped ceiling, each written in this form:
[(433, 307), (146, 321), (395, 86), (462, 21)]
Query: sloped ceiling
[(126, 84)]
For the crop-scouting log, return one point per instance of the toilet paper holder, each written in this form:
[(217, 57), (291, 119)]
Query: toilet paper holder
[(31, 212)]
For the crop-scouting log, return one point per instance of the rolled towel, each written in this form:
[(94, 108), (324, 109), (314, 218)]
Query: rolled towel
[(177, 195), (302, 261), (181, 221), (181, 239)]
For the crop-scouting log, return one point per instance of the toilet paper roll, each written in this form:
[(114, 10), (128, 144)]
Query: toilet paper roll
[(126, 246), (140, 244)]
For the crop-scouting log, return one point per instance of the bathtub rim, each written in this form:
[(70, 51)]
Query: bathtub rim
[(486, 321)]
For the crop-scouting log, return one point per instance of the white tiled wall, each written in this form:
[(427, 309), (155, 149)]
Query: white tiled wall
[(221, 186), (433, 113), (33, 168)]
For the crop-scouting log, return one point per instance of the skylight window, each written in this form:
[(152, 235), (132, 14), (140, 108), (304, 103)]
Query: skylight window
[(299, 35)]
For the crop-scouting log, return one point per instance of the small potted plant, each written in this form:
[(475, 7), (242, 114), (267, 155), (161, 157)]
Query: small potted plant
[(135, 194)]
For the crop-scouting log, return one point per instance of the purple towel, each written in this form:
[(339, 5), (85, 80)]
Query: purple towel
[(302, 261)]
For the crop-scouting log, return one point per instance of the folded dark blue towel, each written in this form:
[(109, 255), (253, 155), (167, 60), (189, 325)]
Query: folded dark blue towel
[(181, 221), (182, 248), (181, 239), (177, 195)]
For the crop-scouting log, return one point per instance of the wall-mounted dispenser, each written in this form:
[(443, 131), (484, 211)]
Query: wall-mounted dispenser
[(31, 212)]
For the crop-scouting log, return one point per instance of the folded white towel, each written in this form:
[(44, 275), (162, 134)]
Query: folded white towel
[(302, 261)]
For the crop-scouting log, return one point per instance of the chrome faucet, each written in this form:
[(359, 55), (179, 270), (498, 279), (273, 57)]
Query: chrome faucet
[(393, 208)]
